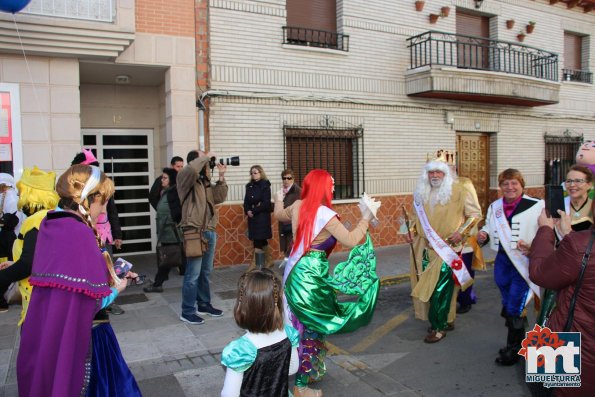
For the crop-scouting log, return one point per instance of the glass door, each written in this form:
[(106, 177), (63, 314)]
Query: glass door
[(126, 156)]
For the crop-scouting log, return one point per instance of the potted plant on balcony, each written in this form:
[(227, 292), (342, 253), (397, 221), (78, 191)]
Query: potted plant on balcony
[(419, 5), (510, 24), (531, 27), (434, 18), (521, 36), (444, 11)]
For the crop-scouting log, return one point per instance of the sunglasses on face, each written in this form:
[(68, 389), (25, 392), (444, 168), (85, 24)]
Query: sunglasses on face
[(287, 178), (255, 172)]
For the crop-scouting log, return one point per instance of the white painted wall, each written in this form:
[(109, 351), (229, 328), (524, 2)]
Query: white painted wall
[(263, 83)]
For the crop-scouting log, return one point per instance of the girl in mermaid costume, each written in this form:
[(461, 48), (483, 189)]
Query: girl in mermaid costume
[(310, 291)]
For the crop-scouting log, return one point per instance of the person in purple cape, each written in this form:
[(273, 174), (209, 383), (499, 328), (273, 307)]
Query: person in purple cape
[(63, 351)]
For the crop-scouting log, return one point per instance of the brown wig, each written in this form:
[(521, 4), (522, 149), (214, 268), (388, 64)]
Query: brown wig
[(70, 187), (72, 182), (259, 306), (511, 173)]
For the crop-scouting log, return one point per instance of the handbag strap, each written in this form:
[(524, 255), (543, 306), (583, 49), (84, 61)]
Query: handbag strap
[(579, 282)]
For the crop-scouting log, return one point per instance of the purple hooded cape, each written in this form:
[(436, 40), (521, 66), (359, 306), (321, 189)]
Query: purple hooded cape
[(70, 278)]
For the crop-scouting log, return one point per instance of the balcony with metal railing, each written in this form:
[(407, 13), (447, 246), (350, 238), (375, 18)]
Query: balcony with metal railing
[(478, 69), (579, 76), (93, 10), (315, 38), (97, 29)]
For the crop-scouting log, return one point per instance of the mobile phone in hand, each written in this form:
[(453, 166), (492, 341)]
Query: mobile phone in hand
[(554, 200), (121, 267)]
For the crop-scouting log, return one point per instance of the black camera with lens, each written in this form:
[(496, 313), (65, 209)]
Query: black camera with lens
[(234, 161)]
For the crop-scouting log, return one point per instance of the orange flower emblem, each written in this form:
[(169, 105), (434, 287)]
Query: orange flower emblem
[(539, 337)]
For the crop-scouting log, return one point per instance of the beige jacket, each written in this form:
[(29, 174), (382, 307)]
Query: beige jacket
[(207, 195)]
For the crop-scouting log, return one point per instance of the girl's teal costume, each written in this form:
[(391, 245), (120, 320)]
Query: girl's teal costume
[(265, 370), (311, 294)]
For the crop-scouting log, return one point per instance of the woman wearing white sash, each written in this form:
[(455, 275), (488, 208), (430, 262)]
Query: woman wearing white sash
[(511, 224), (310, 290)]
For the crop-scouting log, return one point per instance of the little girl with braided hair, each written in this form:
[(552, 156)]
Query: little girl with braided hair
[(260, 362)]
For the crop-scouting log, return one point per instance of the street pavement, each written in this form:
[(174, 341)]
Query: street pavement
[(387, 358)]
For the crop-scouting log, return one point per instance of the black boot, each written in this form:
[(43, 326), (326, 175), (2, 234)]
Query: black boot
[(509, 339), (516, 334)]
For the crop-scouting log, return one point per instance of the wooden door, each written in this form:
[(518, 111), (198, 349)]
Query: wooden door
[(473, 162)]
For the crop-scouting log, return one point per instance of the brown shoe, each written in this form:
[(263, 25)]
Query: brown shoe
[(435, 336), (449, 327), (306, 392)]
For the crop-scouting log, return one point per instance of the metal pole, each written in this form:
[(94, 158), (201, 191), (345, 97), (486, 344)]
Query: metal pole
[(259, 259)]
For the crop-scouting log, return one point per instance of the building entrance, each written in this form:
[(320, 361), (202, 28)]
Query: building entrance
[(126, 156), (473, 162)]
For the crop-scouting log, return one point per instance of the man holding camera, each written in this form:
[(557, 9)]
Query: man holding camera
[(198, 197)]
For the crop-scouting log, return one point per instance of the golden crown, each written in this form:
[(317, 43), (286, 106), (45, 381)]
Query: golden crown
[(443, 156)]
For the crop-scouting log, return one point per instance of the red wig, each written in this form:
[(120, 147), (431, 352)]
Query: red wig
[(317, 190)]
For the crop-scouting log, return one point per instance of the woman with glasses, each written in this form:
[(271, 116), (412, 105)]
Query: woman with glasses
[(577, 216), (510, 226), (257, 207), (291, 193)]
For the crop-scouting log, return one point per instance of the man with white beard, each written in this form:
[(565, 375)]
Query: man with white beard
[(445, 212)]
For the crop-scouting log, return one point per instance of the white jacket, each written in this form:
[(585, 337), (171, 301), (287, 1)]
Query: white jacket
[(523, 223)]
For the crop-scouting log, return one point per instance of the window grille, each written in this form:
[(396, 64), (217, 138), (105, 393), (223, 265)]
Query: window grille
[(337, 150), (560, 155)]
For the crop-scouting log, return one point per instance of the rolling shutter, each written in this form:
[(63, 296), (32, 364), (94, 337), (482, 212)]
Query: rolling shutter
[(312, 14)]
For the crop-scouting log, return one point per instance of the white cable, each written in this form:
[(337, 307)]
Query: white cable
[(29, 71)]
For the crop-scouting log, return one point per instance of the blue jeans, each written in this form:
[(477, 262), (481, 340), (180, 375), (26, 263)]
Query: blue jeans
[(196, 279)]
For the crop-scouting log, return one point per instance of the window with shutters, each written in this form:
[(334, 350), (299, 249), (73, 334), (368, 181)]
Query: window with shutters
[(313, 23), (575, 58), (337, 150), (472, 51)]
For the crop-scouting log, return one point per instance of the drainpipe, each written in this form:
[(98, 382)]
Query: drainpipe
[(201, 124)]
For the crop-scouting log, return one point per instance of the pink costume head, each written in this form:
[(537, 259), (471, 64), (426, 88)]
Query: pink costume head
[(89, 157)]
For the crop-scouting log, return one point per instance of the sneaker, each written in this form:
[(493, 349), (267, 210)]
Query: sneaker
[(210, 310), (114, 309), (192, 319), (153, 288)]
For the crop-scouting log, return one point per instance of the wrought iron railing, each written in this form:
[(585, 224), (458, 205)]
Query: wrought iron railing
[(315, 38), (94, 10), (471, 52), (582, 76), (339, 149)]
